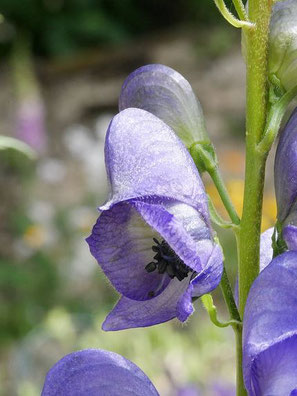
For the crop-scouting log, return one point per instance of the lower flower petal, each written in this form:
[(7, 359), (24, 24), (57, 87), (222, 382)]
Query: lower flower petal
[(208, 279), (184, 306), (130, 313), (93, 372)]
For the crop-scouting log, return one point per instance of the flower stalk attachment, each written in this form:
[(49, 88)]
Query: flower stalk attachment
[(238, 23), (275, 116), (216, 218), (205, 159), (211, 309), (239, 6)]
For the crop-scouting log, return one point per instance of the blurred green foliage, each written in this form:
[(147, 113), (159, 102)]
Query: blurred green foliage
[(28, 290), (62, 27)]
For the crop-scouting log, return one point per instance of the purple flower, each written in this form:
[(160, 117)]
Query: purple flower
[(30, 124), (93, 372), (220, 389), (188, 390), (153, 238), (285, 180), (270, 330), (216, 389), (167, 94)]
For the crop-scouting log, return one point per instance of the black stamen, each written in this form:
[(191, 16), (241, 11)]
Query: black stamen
[(162, 265), (167, 261), (150, 267)]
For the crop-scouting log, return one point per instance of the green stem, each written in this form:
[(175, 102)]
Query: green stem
[(250, 229), (219, 183), (238, 23), (239, 7), (257, 107), (232, 308), (240, 388), (26, 84), (257, 104), (275, 117), (211, 309), (228, 297), (216, 218), (205, 159)]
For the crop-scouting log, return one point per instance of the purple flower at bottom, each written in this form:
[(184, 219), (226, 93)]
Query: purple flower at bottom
[(220, 389), (93, 372), (153, 239), (188, 390), (270, 330)]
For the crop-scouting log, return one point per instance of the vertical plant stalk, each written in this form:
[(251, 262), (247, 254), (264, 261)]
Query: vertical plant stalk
[(240, 388), (257, 107), (234, 314)]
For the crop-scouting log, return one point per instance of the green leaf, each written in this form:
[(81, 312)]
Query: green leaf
[(9, 143)]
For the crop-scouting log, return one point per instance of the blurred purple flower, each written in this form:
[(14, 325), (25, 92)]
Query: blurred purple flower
[(30, 124), (270, 330), (285, 180), (216, 389), (220, 389), (93, 372), (188, 390), (165, 93), (153, 238)]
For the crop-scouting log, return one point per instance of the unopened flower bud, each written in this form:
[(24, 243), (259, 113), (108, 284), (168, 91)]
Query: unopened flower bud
[(282, 62), (165, 93)]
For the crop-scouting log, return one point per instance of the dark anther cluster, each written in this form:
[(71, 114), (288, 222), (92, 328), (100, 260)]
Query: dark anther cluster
[(167, 261)]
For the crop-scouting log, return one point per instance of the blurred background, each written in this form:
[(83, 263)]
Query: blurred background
[(62, 66)]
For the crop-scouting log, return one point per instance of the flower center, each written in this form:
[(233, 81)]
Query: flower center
[(166, 260)]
